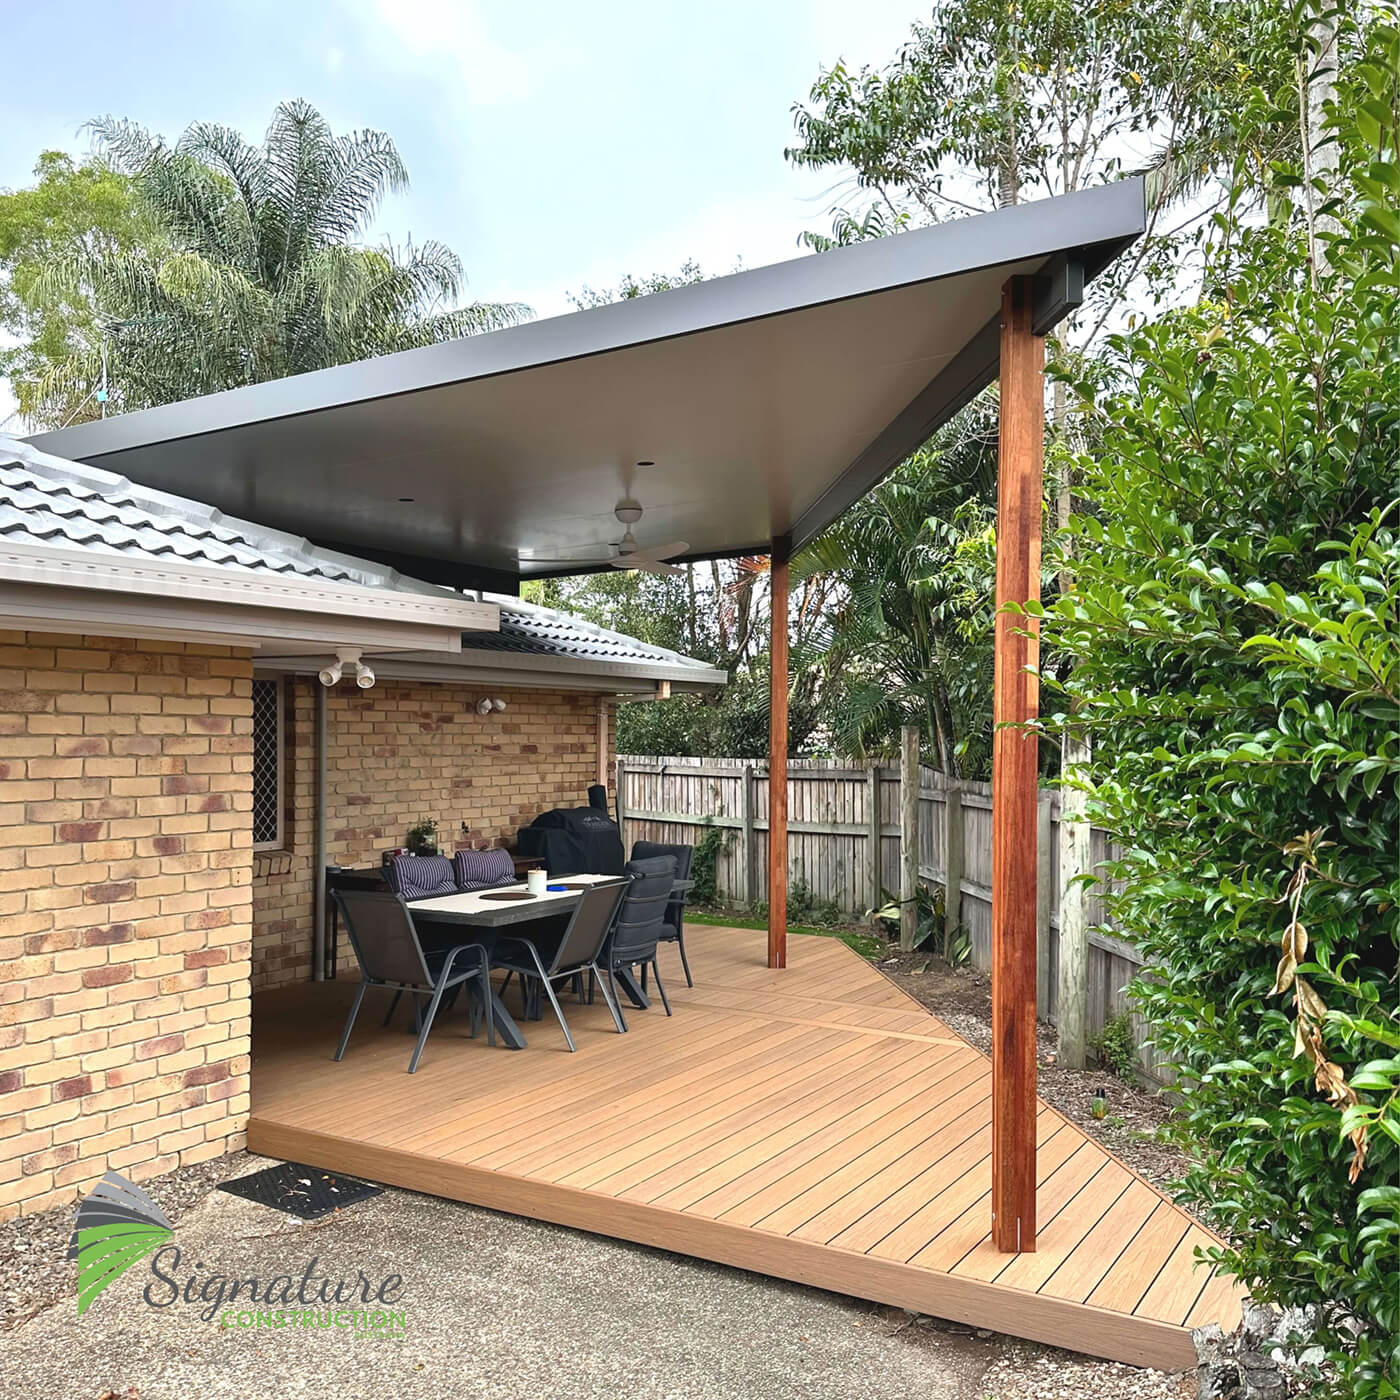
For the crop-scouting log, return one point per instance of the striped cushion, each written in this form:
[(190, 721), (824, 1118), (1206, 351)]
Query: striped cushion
[(480, 870), (418, 877)]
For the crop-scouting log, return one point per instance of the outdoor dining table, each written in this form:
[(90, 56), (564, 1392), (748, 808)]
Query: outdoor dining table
[(490, 919)]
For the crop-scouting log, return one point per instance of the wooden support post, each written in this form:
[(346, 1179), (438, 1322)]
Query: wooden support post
[(874, 829), (953, 835), (746, 880), (1075, 861), (1044, 836), (778, 752), (908, 836), (1020, 489), (620, 801)]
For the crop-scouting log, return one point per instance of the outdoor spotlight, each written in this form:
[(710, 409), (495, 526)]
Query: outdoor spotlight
[(346, 656), (498, 704), (483, 707)]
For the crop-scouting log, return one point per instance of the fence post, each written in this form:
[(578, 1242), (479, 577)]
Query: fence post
[(874, 865), (621, 802), (1043, 901), (952, 861), (908, 836), (1075, 861), (746, 886)]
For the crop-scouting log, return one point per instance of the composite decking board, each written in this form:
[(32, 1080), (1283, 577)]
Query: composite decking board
[(788, 1151), (953, 1243), (821, 1153), (627, 1117), (739, 1151), (868, 1179), (719, 1138), (645, 1150), (815, 1100), (1083, 1166)]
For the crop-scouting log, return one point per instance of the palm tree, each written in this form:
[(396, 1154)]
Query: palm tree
[(260, 271), (909, 642)]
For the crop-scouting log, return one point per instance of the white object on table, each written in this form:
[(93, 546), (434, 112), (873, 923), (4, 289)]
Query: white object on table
[(536, 881)]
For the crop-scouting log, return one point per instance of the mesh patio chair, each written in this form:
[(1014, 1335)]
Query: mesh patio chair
[(577, 952), (641, 923), (675, 906), (386, 943)]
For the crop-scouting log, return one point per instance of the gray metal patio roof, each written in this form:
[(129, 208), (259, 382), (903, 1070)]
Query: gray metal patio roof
[(768, 401)]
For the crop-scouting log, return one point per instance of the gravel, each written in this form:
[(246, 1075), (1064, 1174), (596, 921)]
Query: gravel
[(34, 1271)]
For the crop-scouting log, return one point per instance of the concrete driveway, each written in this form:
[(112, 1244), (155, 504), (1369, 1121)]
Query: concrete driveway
[(495, 1308)]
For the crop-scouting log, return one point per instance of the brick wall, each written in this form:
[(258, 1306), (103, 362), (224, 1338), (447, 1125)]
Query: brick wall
[(398, 754), (125, 929)]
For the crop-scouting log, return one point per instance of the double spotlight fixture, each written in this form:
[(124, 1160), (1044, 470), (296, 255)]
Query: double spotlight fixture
[(347, 657)]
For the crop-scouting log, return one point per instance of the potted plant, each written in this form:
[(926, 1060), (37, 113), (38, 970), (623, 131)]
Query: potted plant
[(423, 839)]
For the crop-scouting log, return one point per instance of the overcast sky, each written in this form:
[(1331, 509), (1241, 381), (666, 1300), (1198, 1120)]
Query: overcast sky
[(552, 144)]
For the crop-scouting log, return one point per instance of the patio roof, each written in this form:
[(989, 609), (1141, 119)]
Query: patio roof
[(768, 401), (77, 541)]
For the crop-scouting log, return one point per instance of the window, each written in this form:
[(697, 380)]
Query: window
[(267, 764)]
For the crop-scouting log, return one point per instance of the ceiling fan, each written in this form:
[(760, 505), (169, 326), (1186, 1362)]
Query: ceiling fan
[(625, 553)]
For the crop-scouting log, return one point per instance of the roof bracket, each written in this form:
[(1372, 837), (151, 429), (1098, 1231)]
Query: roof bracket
[(1059, 290)]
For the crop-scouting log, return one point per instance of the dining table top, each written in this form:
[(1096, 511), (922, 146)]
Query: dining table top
[(479, 909)]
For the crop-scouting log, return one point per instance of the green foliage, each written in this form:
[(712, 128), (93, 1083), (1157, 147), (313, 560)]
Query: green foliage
[(73, 209), (907, 638), (1235, 633), (1115, 1048), (258, 272), (704, 865), (422, 839)]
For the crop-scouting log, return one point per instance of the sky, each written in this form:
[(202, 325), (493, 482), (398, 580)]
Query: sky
[(552, 145)]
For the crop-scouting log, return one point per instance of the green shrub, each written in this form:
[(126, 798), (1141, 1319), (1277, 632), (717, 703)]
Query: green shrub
[(704, 865), (1115, 1048), (1235, 632)]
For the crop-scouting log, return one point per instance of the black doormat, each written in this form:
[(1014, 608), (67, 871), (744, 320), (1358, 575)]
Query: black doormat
[(306, 1192)]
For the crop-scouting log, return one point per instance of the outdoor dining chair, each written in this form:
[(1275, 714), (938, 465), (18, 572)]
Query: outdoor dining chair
[(576, 954), (641, 923), (675, 906), (390, 954)]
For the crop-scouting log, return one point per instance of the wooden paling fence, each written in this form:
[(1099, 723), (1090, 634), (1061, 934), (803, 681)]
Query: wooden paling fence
[(845, 845)]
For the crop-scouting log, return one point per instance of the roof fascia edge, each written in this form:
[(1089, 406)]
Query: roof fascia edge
[(49, 566)]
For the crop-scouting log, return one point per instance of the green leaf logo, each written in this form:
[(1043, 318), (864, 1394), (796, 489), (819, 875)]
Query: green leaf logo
[(117, 1224)]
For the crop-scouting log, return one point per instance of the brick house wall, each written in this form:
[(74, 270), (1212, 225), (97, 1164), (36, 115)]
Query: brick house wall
[(397, 754), (125, 916)]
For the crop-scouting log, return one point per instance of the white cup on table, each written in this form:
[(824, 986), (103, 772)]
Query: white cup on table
[(536, 880)]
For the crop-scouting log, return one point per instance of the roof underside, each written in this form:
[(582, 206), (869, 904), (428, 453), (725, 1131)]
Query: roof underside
[(769, 401)]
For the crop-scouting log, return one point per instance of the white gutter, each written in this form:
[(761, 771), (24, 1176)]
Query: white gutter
[(89, 569)]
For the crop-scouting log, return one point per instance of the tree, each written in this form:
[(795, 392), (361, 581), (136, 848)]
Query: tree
[(73, 210), (1235, 629), (908, 634), (261, 273), (629, 288)]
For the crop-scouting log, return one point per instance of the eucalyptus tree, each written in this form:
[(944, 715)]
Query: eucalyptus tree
[(263, 269)]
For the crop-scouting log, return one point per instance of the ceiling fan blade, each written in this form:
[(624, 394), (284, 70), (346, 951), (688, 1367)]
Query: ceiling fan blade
[(664, 551), (640, 561)]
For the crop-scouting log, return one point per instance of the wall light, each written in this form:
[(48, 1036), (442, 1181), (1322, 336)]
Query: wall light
[(347, 656), (486, 705)]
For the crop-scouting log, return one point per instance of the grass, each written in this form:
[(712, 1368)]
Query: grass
[(867, 945)]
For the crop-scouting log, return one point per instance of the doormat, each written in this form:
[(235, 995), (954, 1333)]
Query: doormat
[(306, 1192)]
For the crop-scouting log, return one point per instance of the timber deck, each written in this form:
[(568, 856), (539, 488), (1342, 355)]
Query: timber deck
[(813, 1124)]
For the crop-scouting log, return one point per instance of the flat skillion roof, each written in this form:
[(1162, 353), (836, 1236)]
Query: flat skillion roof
[(768, 401)]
